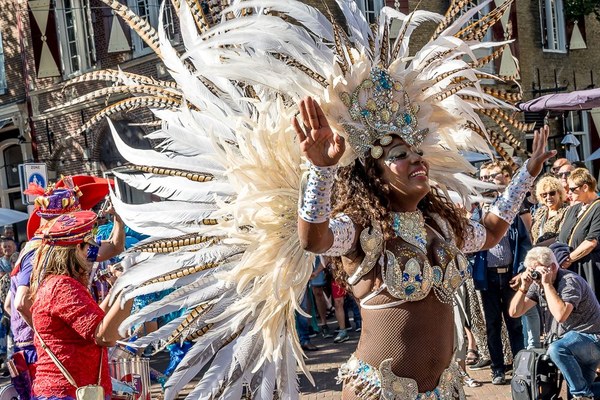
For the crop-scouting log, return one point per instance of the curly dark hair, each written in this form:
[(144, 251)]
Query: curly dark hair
[(359, 193)]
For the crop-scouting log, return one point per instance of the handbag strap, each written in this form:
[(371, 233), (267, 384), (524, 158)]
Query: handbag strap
[(61, 367), (581, 219)]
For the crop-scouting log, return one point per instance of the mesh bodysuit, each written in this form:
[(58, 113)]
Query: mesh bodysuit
[(417, 335)]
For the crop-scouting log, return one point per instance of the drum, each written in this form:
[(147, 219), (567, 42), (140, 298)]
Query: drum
[(8, 392), (134, 371)]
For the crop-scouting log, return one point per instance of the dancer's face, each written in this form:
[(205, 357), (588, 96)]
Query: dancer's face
[(406, 172)]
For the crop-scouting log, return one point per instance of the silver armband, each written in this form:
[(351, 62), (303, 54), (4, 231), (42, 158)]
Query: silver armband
[(316, 202), (476, 236), (343, 231), (508, 204)]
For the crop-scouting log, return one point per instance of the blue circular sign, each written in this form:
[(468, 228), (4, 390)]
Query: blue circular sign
[(38, 179)]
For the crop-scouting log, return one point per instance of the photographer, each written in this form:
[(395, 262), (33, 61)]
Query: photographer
[(575, 313)]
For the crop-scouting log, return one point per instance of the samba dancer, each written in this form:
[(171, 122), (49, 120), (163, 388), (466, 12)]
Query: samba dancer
[(401, 243)]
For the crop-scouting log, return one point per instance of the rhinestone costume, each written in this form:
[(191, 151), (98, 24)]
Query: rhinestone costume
[(371, 383)]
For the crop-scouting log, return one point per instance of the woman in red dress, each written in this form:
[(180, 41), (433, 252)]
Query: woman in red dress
[(65, 315)]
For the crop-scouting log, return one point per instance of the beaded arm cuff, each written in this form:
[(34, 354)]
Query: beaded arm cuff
[(508, 204), (343, 231), (316, 203), (476, 235)]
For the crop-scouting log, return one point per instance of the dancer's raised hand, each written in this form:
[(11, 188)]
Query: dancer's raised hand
[(319, 144), (539, 155)]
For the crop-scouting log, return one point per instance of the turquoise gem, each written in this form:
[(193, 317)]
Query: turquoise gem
[(407, 119), (410, 289)]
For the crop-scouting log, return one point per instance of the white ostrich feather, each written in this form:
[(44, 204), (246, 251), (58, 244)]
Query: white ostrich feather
[(360, 32), (154, 159), (178, 188), (307, 16), (164, 219), (174, 283)]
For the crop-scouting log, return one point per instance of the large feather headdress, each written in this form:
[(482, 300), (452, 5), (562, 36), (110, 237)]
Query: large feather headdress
[(229, 168)]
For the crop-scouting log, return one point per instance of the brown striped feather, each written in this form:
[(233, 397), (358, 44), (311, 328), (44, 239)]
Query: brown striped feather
[(509, 138), (192, 176), (119, 90), (453, 90), (180, 273), (339, 47), (298, 65), (453, 10), (111, 75), (492, 138), (385, 46), (478, 29), (128, 105), (200, 19), (193, 315), (172, 244)]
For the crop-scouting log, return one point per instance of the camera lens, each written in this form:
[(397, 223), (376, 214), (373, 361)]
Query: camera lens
[(535, 275)]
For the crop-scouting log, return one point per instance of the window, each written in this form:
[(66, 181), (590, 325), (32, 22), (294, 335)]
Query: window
[(12, 157), (2, 69), (371, 9), (553, 25), (76, 36), (149, 11), (576, 122), (482, 52)]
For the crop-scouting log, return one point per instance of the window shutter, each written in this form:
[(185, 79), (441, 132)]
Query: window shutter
[(507, 29), (543, 24), (119, 35), (44, 35)]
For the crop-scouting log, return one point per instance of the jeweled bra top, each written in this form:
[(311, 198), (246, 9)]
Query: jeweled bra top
[(408, 273)]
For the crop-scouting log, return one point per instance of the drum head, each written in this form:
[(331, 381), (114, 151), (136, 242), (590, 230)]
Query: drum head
[(8, 392)]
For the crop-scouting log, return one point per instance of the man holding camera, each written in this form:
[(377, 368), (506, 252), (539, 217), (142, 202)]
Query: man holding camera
[(575, 313)]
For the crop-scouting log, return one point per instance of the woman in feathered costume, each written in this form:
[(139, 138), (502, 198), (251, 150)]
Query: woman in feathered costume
[(400, 239), (227, 238)]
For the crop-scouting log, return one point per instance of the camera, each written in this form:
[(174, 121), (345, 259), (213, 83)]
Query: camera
[(535, 275)]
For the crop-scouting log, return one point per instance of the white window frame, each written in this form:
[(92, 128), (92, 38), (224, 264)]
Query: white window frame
[(371, 9), (76, 39), (552, 23), (3, 82), (140, 48), (582, 135)]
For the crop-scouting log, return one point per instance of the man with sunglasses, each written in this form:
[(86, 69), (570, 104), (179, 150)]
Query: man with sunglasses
[(558, 164), (494, 271)]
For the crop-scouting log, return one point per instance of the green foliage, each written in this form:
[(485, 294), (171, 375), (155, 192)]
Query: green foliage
[(580, 8)]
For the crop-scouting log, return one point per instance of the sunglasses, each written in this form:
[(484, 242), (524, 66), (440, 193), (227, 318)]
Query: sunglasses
[(564, 174), (486, 178), (551, 193), (574, 188)]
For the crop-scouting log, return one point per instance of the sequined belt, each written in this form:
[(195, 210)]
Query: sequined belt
[(370, 383)]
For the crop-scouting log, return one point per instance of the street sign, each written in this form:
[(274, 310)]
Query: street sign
[(32, 173)]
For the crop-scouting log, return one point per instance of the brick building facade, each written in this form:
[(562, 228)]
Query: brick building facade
[(47, 42)]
